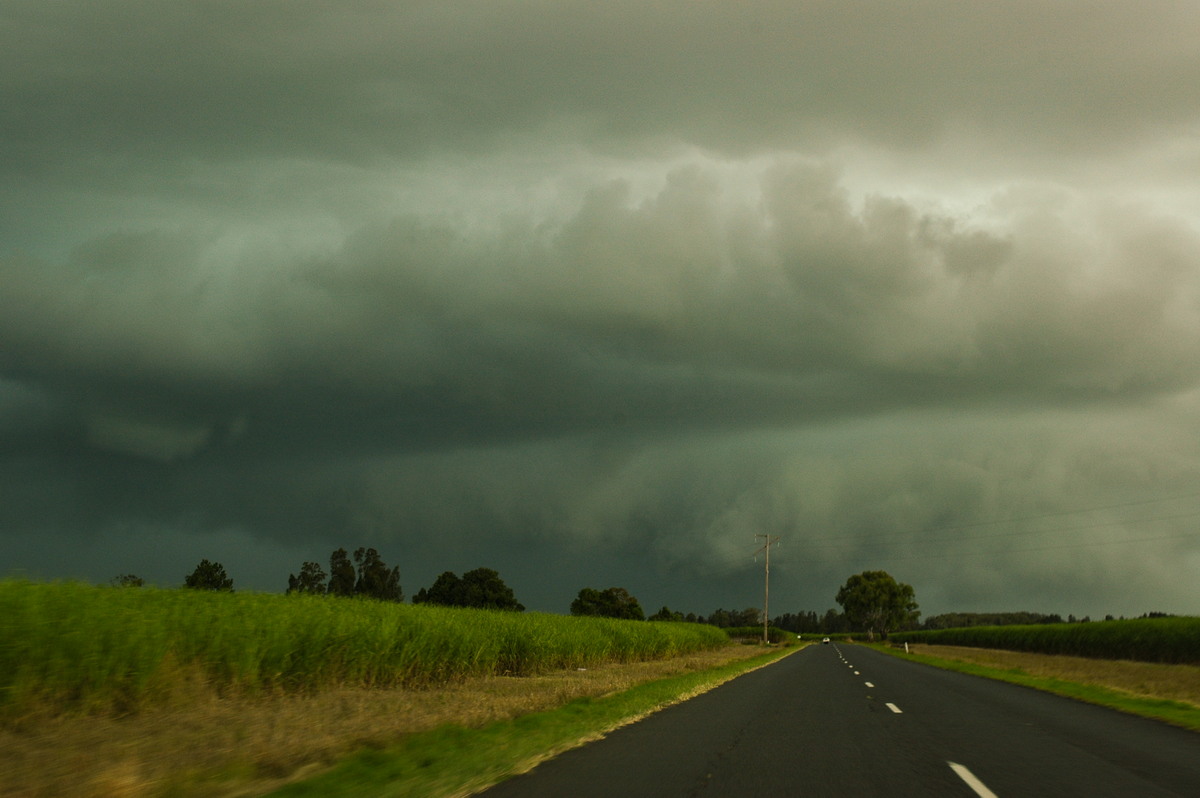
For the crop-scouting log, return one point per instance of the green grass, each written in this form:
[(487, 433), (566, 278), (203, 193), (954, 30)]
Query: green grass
[(1175, 640), (452, 760), (79, 647), (775, 635), (1176, 713)]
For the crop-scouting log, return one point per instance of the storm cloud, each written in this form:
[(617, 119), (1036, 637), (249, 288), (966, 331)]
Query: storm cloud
[(595, 294)]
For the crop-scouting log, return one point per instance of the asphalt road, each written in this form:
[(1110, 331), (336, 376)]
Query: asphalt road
[(849, 721)]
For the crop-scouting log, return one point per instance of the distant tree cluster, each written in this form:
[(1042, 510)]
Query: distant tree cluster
[(367, 576), (482, 588), (831, 623), (613, 602), (208, 576), (312, 579), (958, 620), (751, 616), (872, 602), (667, 614)]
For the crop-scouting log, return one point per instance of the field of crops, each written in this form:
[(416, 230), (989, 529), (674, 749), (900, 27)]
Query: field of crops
[(1172, 640), (71, 646)]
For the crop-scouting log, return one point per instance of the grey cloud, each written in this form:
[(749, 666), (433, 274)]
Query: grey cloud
[(216, 80), (604, 290), (157, 441), (678, 304)]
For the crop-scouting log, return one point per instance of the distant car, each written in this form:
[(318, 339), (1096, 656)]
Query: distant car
[(824, 640)]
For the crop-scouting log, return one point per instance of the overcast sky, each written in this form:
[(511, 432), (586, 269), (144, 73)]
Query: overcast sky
[(595, 293)]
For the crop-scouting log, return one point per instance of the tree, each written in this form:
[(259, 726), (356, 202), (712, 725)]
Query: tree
[(311, 580), (341, 574), (834, 622), (445, 591), (875, 602), (720, 617), (127, 580), (751, 616), (615, 602), (666, 614), (482, 588), (798, 622), (375, 579), (208, 576)]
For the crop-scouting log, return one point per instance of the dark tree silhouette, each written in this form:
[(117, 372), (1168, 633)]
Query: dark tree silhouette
[(341, 574), (127, 580), (614, 602), (482, 588), (208, 576), (446, 590), (375, 579), (665, 614), (310, 580)]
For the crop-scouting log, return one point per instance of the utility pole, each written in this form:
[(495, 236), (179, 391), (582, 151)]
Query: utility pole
[(770, 541)]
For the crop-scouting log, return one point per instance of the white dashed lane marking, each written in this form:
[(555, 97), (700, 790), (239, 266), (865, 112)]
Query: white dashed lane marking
[(894, 708), (975, 784)]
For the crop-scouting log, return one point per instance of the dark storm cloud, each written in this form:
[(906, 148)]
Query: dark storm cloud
[(221, 79), (605, 288), (783, 307)]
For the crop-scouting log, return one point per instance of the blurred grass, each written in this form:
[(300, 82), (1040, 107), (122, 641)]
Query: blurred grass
[(453, 760), (1121, 687), (70, 646)]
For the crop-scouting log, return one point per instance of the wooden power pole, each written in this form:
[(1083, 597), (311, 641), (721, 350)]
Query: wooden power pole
[(770, 541)]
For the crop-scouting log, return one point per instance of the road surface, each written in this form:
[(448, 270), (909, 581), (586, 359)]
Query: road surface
[(846, 720)]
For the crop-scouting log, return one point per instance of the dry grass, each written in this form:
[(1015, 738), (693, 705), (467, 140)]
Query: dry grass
[(210, 745), (1142, 679)]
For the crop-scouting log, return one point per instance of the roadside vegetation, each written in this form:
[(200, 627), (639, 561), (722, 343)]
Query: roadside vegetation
[(245, 745), (455, 761), (1166, 692), (72, 647), (1167, 639)]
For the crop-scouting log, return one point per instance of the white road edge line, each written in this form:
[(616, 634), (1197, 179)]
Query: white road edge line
[(894, 708), (972, 782)]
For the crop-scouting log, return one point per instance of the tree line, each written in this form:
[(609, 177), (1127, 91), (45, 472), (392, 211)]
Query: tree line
[(872, 601), (365, 574)]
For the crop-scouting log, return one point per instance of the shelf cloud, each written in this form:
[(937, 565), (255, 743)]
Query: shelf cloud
[(593, 295)]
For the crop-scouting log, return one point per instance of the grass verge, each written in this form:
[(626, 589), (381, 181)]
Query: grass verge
[(1175, 712), (457, 761), (247, 745)]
